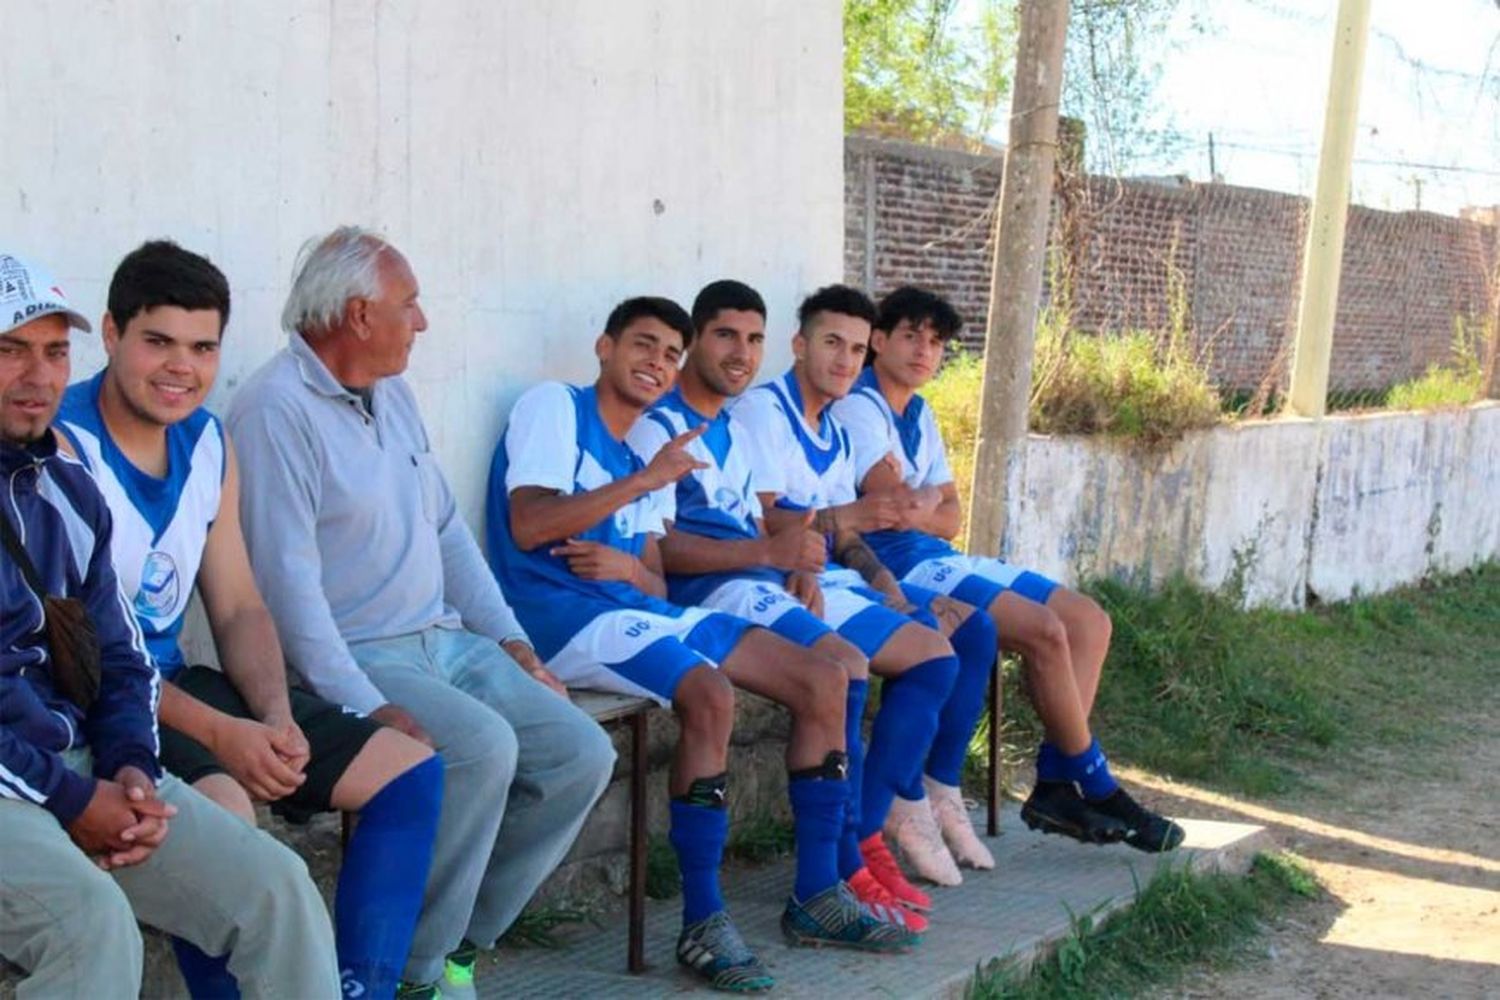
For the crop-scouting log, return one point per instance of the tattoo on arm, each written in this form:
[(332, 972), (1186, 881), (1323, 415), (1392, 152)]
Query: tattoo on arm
[(950, 614), (852, 551), (826, 521)]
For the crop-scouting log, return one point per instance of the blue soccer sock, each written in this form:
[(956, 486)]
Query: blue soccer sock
[(1049, 763), (850, 860), (1091, 770), (384, 877), (902, 735), (817, 818), (697, 834), (207, 976), (976, 645)]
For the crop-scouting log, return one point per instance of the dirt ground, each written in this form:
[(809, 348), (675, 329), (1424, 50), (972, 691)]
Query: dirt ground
[(1407, 846)]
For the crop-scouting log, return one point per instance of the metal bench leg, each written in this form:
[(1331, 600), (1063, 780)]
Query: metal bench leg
[(994, 750), (636, 956)]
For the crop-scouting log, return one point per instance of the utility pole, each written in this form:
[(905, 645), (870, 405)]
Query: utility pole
[(1016, 273), (1213, 167), (1323, 258)]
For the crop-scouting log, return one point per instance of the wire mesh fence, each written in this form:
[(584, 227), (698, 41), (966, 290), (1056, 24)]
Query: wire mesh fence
[(1198, 249)]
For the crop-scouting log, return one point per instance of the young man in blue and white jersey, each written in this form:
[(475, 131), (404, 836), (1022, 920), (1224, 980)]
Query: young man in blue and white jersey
[(168, 472), (1062, 635), (573, 517), (95, 835), (936, 669)]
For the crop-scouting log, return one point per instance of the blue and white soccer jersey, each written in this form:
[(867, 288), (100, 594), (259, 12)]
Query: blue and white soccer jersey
[(810, 468), (160, 524), (913, 438), (718, 501), (606, 635)]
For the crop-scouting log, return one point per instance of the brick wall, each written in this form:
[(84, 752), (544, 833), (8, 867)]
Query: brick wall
[(919, 215)]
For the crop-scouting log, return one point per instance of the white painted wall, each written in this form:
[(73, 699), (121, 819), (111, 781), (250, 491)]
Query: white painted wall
[(1281, 509), (537, 160)]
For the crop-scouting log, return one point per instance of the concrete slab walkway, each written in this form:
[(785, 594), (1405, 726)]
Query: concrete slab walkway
[(1038, 884)]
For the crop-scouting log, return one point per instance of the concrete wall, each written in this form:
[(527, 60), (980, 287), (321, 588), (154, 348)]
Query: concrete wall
[(537, 160), (1280, 511)]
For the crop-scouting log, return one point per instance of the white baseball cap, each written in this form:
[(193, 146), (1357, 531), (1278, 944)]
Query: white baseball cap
[(26, 292)]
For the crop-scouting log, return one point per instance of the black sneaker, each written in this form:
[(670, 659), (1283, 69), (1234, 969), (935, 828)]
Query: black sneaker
[(1056, 807), (1145, 830)]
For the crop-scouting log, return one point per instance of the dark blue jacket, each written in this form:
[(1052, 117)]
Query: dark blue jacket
[(64, 525)]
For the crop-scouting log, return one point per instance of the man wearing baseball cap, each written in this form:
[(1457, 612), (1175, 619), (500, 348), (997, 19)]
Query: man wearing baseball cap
[(95, 835)]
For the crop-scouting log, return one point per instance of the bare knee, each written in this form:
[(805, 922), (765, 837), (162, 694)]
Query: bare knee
[(1042, 642), (823, 686), (387, 755), (225, 792), (932, 645), (704, 702), (1086, 622), (855, 665)]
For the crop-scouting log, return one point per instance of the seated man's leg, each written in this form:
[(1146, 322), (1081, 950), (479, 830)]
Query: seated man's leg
[(478, 749), (356, 766), (563, 764), (181, 755), (971, 632), (217, 882), (394, 786), (814, 688), (672, 660), (918, 669), (62, 920), (1089, 630), (1069, 760)]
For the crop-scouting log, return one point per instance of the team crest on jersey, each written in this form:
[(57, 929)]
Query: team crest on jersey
[(159, 586), (728, 501)]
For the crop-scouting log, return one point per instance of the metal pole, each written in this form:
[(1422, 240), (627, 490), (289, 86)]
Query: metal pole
[(1323, 258), (1016, 274)]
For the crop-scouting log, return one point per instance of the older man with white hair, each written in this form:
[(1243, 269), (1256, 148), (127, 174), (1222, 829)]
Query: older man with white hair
[(384, 603)]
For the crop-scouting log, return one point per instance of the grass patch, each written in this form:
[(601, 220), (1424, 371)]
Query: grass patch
[(1241, 700), (1457, 383), (760, 838), (757, 839), (537, 927), (663, 878), (1179, 919), (954, 398), (1143, 385)]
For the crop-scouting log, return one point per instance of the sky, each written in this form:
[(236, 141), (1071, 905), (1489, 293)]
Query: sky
[(1257, 79)]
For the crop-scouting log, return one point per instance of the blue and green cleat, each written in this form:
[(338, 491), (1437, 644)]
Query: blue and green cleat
[(714, 950), (836, 918)]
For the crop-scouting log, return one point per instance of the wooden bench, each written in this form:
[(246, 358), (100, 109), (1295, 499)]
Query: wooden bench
[(608, 709)]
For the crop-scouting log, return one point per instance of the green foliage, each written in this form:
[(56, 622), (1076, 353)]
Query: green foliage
[(1289, 871), (1200, 690), (1457, 383), (663, 879), (910, 70), (760, 838), (1180, 919), (1135, 384), (537, 926), (1112, 65), (954, 398)]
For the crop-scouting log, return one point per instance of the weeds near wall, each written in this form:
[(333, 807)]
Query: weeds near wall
[(1200, 690), (1458, 382), (1140, 385), (1181, 918)]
